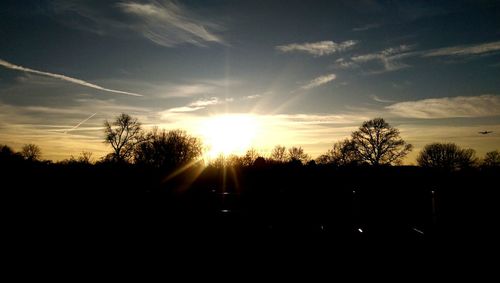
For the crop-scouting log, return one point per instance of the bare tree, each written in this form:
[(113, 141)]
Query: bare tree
[(342, 153), (447, 156), (233, 160), (278, 154), (222, 161), (85, 157), (492, 159), (250, 156), (297, 154), (31, 152), (167, 149), (378, 143), (123, 134)]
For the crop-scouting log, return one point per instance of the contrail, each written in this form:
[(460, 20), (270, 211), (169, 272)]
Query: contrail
[(63, 77), (79, 124)]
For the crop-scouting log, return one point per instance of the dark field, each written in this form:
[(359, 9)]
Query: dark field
[(309, 205)]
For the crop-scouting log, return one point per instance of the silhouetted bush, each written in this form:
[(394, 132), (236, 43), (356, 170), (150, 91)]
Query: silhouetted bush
[(448, 156), (85, 158), (167, 149), (297, 155), (342, 153), (7, 155), (491, 159)]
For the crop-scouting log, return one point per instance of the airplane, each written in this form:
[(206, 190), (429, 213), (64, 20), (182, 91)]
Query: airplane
[(485, 132)]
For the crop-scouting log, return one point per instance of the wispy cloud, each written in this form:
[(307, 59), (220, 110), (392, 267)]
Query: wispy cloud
[(259, 95), (389, 58), (448, 107), (205, 102), (343, 63), (366, 27), (319, 48), (63, 77), (319, 81), (181, 110), (168, 24), (381, 100), (254, 96), (464, 50), (191, 89), (321, 119), (163, 22), (194, 106)]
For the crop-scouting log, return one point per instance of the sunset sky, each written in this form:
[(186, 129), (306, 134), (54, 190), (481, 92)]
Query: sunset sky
[(296, 73)]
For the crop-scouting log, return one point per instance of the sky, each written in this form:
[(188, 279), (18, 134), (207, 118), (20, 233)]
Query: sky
[(295, 73)]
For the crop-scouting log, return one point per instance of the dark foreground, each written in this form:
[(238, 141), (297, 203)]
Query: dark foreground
[(90, 208)]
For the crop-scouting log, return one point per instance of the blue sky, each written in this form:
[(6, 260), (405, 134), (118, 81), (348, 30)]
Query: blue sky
[(309, 72)]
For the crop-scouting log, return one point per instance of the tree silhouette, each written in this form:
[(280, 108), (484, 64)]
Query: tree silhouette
[(342, 153), (85, 158), (232, 160), (31, 152), (123, 134), (446, 156), (235, 161), (6, 151), (250, 156), (259, 162), (221, 161), (380, 144), (278, 154), (492, 159), (167, 149), (296, 154), (8, 155)]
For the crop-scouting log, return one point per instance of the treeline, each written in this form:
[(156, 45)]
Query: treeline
[(154, 184), (375, 143)]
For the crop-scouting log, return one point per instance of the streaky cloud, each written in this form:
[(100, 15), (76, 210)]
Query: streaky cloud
[(11, 66), (319, 48), (321, 80), (343, 63), (464, 50), (183, 109), (448, 107), (193, 106), (168, 24), (205, 102), (389, 58), (254, 96), (381, 100), (366, 27)]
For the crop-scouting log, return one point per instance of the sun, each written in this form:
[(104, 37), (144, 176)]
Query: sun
[(229, 134)]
